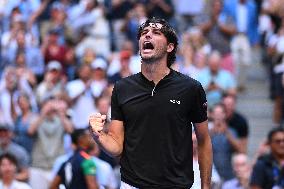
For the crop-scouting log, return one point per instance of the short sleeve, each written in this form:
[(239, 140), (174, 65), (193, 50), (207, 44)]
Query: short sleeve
[(60, 172), (89, 167), (199, 109), (116, 113)]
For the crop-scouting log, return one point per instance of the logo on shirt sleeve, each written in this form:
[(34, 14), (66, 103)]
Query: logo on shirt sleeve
[(204, 105)]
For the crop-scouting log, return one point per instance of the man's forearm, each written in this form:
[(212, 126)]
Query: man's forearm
[(109, 144), (205, 162)]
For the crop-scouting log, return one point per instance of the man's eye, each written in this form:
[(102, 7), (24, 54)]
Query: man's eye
[(144, 32)]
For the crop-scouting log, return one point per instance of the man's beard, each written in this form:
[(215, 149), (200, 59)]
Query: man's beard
[(151, 59)]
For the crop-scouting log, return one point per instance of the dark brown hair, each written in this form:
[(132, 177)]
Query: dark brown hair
[(169, 33)]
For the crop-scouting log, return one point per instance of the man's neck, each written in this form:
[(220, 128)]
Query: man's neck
[(155, 72)]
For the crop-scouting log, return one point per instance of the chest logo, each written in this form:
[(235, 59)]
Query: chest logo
[(175, 101)]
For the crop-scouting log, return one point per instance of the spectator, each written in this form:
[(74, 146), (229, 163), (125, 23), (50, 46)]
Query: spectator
[(215, 179), (114, 59), (103, 106), (219, 30), (242, 170), (89, 17), (10, 87), (49, 128), (71, 62), (52, 84), (18, 23), (33, 57), (236, 120), (23, 122), (135, 17), (57, 22), (8, 146), (160, 9), (224, 143), (187, 65), (196, 38), (216, 81), (124, 67), (98, 76), (8, 170), (268, 170), (245, 18), (25, 7), (51, 48), (23, 72), (79, 92), (117, 11), (276, 51), (105, 174), (187, 11), (87, 56), (79, 171)]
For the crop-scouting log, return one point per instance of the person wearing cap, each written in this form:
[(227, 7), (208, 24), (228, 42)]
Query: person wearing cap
[(151, 117), (99, 78), (52, 84), (80, 95), (8, 146), (124, 67)]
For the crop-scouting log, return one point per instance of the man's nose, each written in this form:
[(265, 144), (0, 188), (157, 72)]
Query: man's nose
[(148, 35)]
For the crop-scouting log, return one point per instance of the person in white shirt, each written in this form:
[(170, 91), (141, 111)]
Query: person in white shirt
[(8, 169)]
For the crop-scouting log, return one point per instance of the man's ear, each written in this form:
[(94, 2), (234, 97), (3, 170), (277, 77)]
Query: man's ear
[(170, 47)]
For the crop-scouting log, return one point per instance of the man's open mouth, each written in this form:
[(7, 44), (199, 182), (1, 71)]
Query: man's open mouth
[(148, 45)]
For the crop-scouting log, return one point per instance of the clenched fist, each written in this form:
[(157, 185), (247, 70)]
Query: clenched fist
[(96, 122)]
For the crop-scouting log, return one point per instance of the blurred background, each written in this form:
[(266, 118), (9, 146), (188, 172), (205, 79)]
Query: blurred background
[(59, 60)]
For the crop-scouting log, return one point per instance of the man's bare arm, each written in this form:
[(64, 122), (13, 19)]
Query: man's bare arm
[(55, 183), (91, 182), (204, 153), (110, 141)]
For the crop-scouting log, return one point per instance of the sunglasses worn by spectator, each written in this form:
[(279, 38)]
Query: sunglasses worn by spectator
[(278, 141)]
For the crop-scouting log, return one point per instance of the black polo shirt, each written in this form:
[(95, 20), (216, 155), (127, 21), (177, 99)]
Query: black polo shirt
[(157, 151)]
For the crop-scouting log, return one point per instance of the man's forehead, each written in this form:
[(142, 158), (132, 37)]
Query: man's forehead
[(156, 25)]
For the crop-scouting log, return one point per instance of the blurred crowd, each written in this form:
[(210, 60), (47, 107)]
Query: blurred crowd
[(59, 60)]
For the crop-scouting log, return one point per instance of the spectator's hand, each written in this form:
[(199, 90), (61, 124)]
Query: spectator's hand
[(262, 149), (48, 107), (213, 86), (60, 107), (96, 122)]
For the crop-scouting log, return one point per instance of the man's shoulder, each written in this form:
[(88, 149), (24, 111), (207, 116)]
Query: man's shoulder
[(239, 117), (265, 160), (134, 78)]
